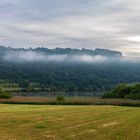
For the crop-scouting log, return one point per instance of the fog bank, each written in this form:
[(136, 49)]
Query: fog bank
[(32, 56)]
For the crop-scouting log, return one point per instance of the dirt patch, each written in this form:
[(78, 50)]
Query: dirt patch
[(79, 125), (109, 124), (87, 131)]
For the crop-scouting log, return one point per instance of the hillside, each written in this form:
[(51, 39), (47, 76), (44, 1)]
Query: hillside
[(66, 69)]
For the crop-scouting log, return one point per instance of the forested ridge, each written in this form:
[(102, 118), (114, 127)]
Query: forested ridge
[(69, 76)]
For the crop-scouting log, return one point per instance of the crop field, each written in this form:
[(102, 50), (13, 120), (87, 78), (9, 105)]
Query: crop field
[(44, 122)]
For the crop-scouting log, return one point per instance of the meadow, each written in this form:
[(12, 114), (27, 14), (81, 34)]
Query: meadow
[(45, 122)]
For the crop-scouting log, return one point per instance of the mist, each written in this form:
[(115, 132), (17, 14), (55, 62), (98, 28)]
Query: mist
[(31, 56)]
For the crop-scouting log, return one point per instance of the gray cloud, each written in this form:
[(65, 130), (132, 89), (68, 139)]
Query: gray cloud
[(112, 24)]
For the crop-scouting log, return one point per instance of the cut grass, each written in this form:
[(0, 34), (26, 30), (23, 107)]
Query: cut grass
[(33, 122)]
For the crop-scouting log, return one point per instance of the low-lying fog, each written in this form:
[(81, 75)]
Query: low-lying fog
[(30, 56)]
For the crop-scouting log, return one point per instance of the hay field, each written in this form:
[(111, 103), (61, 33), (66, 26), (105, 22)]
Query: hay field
[(44, 122)]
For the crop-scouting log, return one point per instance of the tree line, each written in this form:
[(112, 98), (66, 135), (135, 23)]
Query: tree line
[(127, 91)]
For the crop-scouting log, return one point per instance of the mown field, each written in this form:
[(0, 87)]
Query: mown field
[(44, 122)]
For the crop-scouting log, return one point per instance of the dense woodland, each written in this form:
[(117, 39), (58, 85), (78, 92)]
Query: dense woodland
[(62, 51), (70, 77), (128, 91), (67, 76)]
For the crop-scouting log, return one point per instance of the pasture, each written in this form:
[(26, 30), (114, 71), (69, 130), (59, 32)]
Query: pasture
[(45, 122)]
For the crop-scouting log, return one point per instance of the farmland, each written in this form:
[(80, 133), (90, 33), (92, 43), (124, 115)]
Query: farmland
[(71, 101), (44, 122)]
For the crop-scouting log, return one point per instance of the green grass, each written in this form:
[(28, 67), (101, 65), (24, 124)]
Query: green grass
[(40, 122)]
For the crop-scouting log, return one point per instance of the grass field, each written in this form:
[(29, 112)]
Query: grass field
[(43, 122)]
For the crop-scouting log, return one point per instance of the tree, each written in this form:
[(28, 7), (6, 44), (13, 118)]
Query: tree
[(124, 91)]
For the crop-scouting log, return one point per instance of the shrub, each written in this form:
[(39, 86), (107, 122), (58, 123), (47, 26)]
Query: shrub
[(124, 91), (0, 90), (60, 98), (5, 95), (133, 96), (108, 95), (40, 126)]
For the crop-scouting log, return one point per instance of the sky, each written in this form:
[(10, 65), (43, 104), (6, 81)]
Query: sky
[(109, 24)]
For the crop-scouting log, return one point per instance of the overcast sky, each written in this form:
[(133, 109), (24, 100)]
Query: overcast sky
[(111, 24)]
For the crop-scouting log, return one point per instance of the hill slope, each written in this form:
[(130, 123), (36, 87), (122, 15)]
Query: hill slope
[(67, 69)]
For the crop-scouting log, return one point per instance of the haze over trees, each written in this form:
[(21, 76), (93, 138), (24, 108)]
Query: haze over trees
[(66, 70)]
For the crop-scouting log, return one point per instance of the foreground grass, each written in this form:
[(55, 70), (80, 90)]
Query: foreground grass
[(40, 122)]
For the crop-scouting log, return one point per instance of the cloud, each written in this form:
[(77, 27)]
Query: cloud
[(133, 38), (111, 24)]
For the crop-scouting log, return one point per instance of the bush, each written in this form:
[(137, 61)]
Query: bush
[(5, 95), (60, 98), (124, 91), (0, 90), (133, 96), (108, 95)]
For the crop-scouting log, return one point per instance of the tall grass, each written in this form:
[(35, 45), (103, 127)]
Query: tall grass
[(71, 101)]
